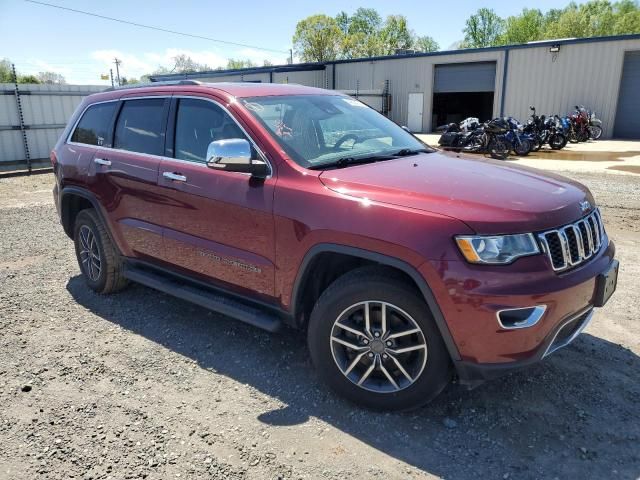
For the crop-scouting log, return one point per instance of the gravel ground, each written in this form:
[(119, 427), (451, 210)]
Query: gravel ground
[(139, 384)]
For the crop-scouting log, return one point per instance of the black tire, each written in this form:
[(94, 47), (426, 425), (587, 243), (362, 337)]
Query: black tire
[(109, 278), (535, 144), (573, 137), (595, 132), (523, 148), (498, 149), (375, 285), (557, 141)]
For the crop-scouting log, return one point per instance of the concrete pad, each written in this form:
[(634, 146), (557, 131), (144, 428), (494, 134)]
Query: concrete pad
[(605, 156)]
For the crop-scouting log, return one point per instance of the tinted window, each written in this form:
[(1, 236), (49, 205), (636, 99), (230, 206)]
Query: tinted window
[(199, 123), (93, 127), (140, 126)]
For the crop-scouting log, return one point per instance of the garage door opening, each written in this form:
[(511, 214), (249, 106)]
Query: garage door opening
[(456, 106), (462, 90)]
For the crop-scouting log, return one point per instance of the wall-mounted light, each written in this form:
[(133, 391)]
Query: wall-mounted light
[(554, 48)]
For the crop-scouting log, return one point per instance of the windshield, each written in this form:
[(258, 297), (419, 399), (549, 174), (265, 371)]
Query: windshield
[(316, 130)]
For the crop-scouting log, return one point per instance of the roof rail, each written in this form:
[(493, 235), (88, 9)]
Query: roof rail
[(155, 84)]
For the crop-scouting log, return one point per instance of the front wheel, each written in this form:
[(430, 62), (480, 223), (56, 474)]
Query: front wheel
[(523, 148), (535, 143), (374, 341), (595, 132), (557, 141), (498, 149)]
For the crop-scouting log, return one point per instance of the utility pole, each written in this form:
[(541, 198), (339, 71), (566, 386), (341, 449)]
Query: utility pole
[(290, 56), (111, 75), (117, 62)]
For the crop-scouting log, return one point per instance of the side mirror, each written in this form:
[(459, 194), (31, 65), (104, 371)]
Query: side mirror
[(234, 155)]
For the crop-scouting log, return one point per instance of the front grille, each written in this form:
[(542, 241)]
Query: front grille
[(573, 244)]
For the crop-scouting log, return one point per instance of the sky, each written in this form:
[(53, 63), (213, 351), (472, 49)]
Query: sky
[(41, 38)]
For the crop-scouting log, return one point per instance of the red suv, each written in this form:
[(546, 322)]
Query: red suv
[(283, 204)]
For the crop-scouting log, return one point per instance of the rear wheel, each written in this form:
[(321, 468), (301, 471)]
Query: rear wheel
[(98, 259), (373, 340), (595, 132)]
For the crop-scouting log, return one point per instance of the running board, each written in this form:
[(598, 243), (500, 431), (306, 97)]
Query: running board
[(206, 298)]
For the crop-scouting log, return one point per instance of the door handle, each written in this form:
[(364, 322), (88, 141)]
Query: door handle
[(174, 176), (102, 161)]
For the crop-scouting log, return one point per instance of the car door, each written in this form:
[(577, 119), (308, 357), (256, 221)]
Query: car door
[(219, 224), (127, 175)]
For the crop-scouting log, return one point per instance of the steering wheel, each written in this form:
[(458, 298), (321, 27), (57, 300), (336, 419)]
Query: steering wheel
[(344, 138)]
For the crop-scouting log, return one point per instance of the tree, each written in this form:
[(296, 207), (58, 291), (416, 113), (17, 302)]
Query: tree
[(5, 71), (483, 29), (185, 64), (526, 27), (267, 63), (317, 38), (28, 79), (233, 64), (51, 78), (426, 44), (366, 21), (395, 35)]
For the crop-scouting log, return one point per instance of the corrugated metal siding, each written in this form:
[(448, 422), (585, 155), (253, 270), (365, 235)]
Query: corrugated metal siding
[(582, 74), (411, 75), (253, 77), (310, 78), (38, 110)]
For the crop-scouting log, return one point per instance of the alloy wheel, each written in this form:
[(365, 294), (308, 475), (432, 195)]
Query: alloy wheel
[(378, 346), (90, 253)]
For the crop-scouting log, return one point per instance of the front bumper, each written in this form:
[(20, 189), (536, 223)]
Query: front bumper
[(473, 374), (470, 298)]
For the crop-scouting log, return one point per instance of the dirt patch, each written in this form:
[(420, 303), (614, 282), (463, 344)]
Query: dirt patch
[(582, 156), (626, 168), (141, 385)]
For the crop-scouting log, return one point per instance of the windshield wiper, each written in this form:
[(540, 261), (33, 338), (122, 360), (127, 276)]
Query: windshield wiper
[(405, 152), (348, 161)]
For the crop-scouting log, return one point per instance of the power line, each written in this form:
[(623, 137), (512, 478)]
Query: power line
[(160, 29)]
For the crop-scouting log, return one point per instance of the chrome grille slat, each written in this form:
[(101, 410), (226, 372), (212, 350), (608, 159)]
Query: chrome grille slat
[(572, 245)]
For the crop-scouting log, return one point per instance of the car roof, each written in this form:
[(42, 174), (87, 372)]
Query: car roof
[(233, 89)]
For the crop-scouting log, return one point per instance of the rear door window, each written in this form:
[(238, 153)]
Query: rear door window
[(140, 126), (93, 127)]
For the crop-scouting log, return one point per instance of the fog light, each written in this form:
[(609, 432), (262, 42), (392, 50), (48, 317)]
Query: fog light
[(513, 318)]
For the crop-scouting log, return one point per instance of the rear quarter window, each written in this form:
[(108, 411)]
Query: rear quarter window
[(93, 127)]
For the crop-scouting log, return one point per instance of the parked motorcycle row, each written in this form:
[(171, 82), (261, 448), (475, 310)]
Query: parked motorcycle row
[(500, 136)]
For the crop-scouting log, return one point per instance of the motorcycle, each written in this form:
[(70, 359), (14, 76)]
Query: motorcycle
[(519, 141), (579, 131), (545, 129), (471, 136), (555, 133), (595, 126)]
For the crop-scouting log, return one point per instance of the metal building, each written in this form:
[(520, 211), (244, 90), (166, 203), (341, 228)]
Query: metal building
[(429, 89)]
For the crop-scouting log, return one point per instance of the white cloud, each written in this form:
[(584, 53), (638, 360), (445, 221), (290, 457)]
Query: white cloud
[(88, 71)]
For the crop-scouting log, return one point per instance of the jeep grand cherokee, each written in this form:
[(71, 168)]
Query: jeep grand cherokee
[(283, 204)]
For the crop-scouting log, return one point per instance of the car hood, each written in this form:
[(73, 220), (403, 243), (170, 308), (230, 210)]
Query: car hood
[(490, 196)]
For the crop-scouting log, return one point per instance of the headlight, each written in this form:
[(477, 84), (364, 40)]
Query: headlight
[(499, 249)]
